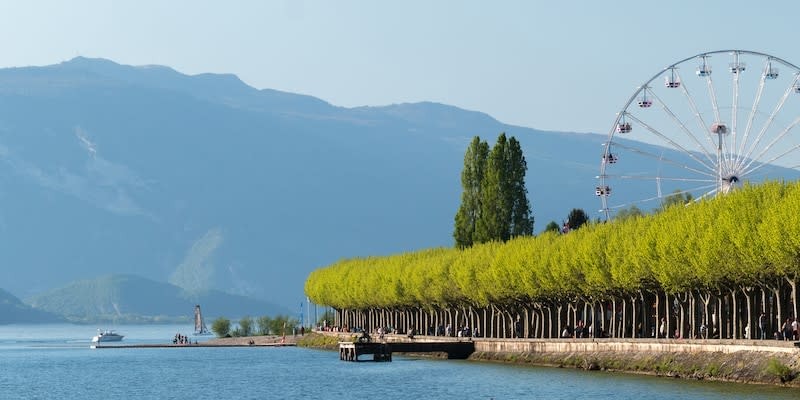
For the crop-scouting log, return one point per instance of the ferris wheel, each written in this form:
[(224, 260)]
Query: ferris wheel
[(701, 127)]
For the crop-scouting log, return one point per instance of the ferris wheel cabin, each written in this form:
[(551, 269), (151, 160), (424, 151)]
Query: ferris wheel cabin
[(602, 191), (737, 67), (672, 82), (609, 158), (624, 127), (771, 72)]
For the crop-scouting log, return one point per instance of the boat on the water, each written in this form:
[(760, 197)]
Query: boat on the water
[(199, 324), (106, 336)]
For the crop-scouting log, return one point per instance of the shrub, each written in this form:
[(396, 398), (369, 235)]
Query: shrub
[(221, 327), (778, 369)]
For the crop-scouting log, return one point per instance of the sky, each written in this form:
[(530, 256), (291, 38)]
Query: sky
[(551, 65)]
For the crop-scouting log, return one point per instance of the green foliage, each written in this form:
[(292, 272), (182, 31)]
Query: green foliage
[(780, 370), (630, 212), (576, 218), (221, 327), (245, 326), (743, 238), (494, 203), (678, 197), (263, 323), (552, 226), (471, 178), (283, 325), (521, 218), (317, 341), (495, 213)]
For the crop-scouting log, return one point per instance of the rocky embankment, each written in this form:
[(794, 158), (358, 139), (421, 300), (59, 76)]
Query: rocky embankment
[(740, 366)]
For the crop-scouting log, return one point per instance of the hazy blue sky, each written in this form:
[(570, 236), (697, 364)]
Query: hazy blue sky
[(556, 65)]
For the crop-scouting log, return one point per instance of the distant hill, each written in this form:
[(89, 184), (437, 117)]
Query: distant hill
[(129, 298), (14, 311)]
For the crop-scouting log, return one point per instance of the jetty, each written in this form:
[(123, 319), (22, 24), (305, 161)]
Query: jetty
[(185, 346), (382, 351), (246, 341)]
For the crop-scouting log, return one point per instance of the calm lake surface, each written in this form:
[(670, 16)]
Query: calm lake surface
[(55, 362)]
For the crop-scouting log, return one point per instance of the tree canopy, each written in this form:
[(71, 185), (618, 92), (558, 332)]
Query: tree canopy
[(748, 236)]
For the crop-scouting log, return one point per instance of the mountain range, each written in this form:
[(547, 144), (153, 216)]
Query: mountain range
[(206, 183), (119, 298)]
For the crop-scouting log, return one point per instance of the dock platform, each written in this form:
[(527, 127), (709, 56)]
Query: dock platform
[(382, 351)]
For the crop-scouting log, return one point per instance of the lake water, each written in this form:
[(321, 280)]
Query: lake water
[(55, 362)]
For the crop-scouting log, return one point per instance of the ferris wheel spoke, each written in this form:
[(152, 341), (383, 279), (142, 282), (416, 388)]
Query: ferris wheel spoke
[(769, 120), (712, 94), (661, 158), (734, 119), (752, 116), (727, 158), (766, 148), (773, 159), (674, 144), (769, 170), (697, 189), (727, 149), (660, 196), (657, 178), (700, 120), (682, 125)]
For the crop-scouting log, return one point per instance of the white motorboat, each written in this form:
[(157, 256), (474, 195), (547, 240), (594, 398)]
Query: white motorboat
[(106, 336)]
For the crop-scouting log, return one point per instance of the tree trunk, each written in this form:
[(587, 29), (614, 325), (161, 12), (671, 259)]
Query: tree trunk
[(735, 329), (748, 292), (793, 286)]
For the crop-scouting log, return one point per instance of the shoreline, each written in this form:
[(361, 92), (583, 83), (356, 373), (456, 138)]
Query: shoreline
[(272, 340), (766, 362)]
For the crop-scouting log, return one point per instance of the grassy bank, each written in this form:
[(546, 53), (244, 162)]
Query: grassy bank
[(317, 341)]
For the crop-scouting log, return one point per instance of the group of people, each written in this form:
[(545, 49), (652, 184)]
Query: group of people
[(461, 331), (325, 327), (789, 330), (181, 339), (582, 331), (441, 330)]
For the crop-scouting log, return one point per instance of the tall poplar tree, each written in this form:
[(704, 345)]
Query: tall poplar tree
[(471, 178), (494, 204), (521, 219), (495, 214)]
